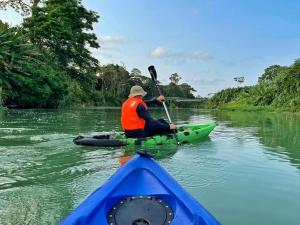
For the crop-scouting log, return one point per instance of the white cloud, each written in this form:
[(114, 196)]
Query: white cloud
[(110, 47), (178, 57), (159, 52), (112, 39), (199, 55), (206, 82)]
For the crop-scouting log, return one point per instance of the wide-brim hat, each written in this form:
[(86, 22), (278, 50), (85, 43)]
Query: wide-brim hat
[(137, 90)]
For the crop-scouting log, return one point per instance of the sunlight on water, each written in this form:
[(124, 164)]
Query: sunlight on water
[(246, 172)]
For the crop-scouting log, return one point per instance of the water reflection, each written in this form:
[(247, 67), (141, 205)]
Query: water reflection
[(158, 153), (280, 133), (43, 175)]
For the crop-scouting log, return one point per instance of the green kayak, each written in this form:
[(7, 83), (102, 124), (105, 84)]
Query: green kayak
[(186, 134)]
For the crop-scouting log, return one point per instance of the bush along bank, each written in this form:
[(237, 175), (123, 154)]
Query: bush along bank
[(278, 89)]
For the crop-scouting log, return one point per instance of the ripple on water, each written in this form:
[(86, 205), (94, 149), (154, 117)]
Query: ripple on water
[(6, 182), (9, 130), (92, 162), (45, 175), (197, 167)]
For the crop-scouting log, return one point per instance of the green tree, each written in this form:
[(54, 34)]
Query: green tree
[(2, 96), (22, 6), (135, 72), (187, 90), (113, 83), (136, 77), (270, 73), (15, 53), (278, 87), (239, 80), (29, 77), (175, 78), (64, 27)]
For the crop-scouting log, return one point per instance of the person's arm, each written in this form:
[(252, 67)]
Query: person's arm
[(155, 101), (151, 102), (144, 114)]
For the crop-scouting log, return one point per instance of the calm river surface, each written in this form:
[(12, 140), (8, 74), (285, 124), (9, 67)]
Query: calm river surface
[(246, 173)]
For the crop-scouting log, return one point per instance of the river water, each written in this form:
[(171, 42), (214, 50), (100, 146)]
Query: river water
[(246, 173)]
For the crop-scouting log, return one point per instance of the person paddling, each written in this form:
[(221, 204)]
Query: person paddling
[(136, 119)]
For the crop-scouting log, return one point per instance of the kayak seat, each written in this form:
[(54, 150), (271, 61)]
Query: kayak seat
[(96, 142), (78, 138), (106, 136)]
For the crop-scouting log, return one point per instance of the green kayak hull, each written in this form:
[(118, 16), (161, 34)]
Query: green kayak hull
[(185, 134)]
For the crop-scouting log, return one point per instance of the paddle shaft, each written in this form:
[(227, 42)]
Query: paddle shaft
[(164, 104)]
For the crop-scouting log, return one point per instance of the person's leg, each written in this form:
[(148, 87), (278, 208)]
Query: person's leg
[(163, 121), (139, 133), (155, 128), (169, 131), (148, 130)]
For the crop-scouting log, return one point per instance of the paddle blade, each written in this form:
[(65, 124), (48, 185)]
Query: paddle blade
[(153, 73)]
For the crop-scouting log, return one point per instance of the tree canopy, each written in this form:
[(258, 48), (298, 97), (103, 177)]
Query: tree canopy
[(65, 27), (278, 87), (22, 6), (175, 78), (27, 79), (47, 62), (135, 72)]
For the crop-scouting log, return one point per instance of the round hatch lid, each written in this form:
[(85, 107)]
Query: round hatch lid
[(140, 210)]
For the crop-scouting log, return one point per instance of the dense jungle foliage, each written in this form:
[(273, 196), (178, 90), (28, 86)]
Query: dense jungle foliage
[(277, 88), (47, 60)]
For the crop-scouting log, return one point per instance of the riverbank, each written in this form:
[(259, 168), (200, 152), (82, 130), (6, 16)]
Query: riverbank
[(278, 89), (250, 108)]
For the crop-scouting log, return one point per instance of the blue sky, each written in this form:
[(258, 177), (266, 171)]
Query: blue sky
[(207, 42)]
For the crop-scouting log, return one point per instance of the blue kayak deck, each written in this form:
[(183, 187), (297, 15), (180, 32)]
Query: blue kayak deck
[(141, 176)]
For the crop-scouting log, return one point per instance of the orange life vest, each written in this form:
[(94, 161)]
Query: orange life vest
[(130, 119)]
